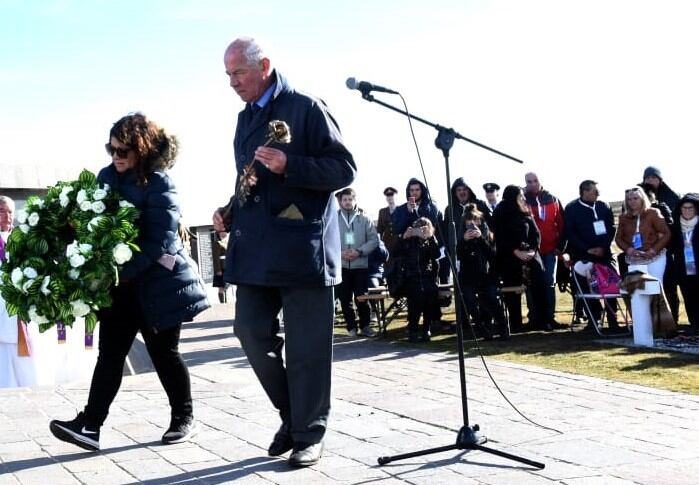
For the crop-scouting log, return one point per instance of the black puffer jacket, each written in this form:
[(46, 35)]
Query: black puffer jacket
[(167, 297)]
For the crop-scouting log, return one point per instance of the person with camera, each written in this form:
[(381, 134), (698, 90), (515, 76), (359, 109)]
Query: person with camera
[(419, 253), (477, 279)]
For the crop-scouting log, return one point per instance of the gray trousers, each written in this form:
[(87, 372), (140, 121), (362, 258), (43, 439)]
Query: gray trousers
[(300, 390)]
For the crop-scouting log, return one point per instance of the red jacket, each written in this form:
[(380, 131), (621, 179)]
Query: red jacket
[(548, 215)]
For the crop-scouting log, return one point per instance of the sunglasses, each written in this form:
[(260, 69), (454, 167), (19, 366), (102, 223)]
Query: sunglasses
[(120, 152)]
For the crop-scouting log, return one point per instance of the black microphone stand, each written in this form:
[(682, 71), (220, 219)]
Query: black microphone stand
[(468, 437)]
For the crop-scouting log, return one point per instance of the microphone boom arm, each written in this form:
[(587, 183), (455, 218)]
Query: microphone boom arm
[(450, 132)]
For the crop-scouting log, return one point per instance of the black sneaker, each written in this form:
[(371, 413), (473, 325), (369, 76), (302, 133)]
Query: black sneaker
[(76, 432), (181, 429)]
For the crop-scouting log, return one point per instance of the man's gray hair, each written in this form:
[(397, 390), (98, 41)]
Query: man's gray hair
[(252, 50), (5, 200)]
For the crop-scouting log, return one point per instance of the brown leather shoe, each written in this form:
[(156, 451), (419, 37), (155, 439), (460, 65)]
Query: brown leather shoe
[(305, 454), (282, 442)]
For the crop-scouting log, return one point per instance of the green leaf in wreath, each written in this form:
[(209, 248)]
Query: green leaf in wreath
[(87, 178)]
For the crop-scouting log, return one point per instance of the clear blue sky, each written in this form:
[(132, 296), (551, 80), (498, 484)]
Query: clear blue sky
[(595, 89)]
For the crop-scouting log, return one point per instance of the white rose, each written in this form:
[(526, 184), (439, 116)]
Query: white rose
[(85, 248), (17, 276), (26, 285), (81, 197), (66, 190), (73, 274), (99, 194), (125, 203), (77, 260), (30, 272), (63, 200), (24, 228), (72, 249), (122, 253), (80, 309), (94, 223), (45, 285), (106, 187), (98, 206), (21, 216), (35, 317), (33, 219), (85, 205)]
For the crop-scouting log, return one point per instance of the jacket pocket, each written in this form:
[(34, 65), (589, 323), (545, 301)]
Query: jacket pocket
[(296, 250)]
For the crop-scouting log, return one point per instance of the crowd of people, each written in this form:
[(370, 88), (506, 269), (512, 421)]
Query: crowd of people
[(518, 241), (289, 247)]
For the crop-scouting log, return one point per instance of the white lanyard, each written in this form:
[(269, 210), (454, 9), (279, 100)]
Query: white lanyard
[(688, 237), (638, 223), (349, 221), (591, 207)]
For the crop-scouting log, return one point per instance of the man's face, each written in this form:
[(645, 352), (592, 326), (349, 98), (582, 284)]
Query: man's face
[(652, 180), (492, 197), (6, 216), (462, 194), (390, 199), (249, 82), (415, 191), (533, 185), (347, 202), (590, 194)]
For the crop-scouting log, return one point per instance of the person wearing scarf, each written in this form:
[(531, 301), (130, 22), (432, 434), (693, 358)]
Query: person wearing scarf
[(685, 247)]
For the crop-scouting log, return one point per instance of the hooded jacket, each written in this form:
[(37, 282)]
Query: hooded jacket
[(364, 237), (459, 209), (547, 212), (403, 218)]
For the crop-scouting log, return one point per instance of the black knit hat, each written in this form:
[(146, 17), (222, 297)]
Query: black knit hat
[(652, 172)]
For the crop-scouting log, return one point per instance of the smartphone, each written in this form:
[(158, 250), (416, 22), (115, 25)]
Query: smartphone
[(411, 200)]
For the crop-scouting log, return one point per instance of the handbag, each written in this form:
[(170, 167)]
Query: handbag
[(604, 279)]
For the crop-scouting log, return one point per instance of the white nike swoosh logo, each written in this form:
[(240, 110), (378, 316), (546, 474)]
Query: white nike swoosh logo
[(87, 431)]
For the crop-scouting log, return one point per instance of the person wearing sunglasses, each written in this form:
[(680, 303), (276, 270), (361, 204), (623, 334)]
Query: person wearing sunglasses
[(158, 288), (685, 248)]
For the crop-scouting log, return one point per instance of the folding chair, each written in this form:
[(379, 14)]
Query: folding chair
[(386, 315), (583, 295)]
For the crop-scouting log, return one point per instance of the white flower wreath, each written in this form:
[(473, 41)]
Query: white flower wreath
[(67, 253)]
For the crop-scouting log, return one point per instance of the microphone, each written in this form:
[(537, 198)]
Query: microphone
[(366, 87)]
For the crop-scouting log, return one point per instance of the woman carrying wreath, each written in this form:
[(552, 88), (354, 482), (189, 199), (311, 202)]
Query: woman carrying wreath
[(157, 288)]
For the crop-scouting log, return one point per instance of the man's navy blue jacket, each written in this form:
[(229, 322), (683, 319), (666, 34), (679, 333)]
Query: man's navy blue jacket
[(287, 231)]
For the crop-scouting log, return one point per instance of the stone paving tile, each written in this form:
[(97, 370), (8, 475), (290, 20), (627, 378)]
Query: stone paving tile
[(404, 399)]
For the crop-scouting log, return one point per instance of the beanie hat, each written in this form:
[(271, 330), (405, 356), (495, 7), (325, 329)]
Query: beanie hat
[(652, 172)]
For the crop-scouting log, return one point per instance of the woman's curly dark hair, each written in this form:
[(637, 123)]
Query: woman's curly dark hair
[(155, 149)]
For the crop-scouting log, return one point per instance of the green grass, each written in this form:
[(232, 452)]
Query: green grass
[(575, 352)]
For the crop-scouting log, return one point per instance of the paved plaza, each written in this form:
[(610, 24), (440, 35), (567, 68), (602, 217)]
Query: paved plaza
[(388, 399)]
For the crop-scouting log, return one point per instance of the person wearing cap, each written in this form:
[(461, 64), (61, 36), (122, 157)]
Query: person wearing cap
[(653, 177), (684, 245), (491, 195), (547, 212), (384, 225), (589, 230)]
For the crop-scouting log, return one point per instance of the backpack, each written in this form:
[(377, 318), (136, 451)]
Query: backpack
[(604, 279)]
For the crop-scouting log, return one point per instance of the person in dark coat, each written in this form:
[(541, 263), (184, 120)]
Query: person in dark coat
[(653, 177), (419, 204), (589, 230), (384, 224), (477, 277), (284, 245), (517, 242), (158, 288), (670, 276), (684, 245), (419, 253)]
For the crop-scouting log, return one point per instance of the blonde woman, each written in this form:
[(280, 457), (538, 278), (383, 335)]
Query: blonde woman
[(643, 233)]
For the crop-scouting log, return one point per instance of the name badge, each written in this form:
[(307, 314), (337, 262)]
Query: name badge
[(600, 228), (637, 241), (689, 262), (349, 238)]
